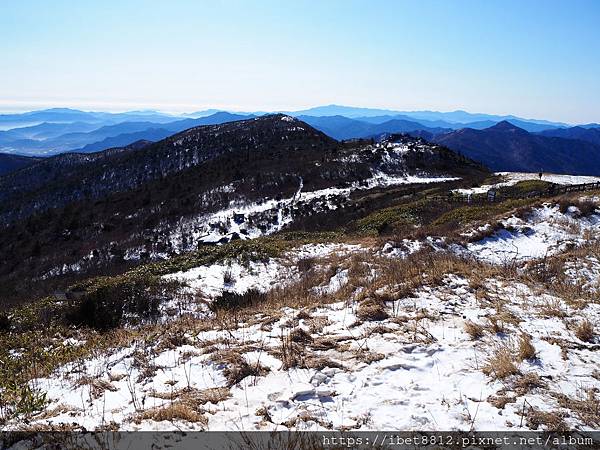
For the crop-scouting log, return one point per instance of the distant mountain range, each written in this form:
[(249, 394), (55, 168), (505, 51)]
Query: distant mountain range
[(59, 130), (506, 147), (49, 138), (460, 118), (590, 134)]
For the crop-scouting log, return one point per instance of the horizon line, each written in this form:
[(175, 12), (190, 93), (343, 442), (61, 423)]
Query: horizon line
[(190, 109)]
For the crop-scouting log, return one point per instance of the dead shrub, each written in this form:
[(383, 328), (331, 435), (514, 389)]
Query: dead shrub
[(586, 406), (228, 277), (97, 386), (371, 310), (316, 324), (237, 368), (552, 308), (525, 350), (303, 315), (369, 357), (174, 411), (587, 207), (527, 382), (300, 335), (305, 265), (584, 331), (500, 401), (233, 301), (550, 420), (321, 363), (325, 343), (501, 364), (473, 329), (496, 326), (213, 395)]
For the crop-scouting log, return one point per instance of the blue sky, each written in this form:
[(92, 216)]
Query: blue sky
[(536, 59)]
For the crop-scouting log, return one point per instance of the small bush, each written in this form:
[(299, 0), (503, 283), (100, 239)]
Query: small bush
[(585, 207), (372, 310), (174, 411), (501, 364), (20, 400), (238, 368), (301, 336), (305, 265), (232, 300), (473, 329), (584, 331), (107, 301), (526, 350), (550, 420), (228, 276)]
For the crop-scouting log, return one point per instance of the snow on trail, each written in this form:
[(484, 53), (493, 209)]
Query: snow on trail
[(546, 231), (512, 178), (409, 372), (515, 177)]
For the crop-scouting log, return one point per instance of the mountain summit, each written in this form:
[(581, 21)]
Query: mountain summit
[(506, 147), (206, 185), (506, 126)]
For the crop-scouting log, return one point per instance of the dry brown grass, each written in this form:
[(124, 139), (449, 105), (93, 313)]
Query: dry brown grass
[(236, 367), (317, 323), (525, 349), (500, 401), (550, 272), (369, 357), (212, 395), (97, 386), (300, 335), (526, 383), (586, 406), (473, 329), (584, 330), (371, 310), (586, 207), (173, 411), (495, 325), (321, 363), (552, 308), (290, 353), (552, 421), (195, 397), (501, 364)]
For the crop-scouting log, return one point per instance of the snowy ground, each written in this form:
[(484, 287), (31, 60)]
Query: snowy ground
[(544, 232), (263, 276), (446, 356), (515, 177), (417, 369), (512, 178)]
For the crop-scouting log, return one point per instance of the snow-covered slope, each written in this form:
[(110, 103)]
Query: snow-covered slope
[(346, 343)]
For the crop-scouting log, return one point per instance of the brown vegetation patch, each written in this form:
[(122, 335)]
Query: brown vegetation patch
[(501, 364), (525, 349), (586, 406), (174, 411), (473, 329), (584, 331), (371, 310)]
